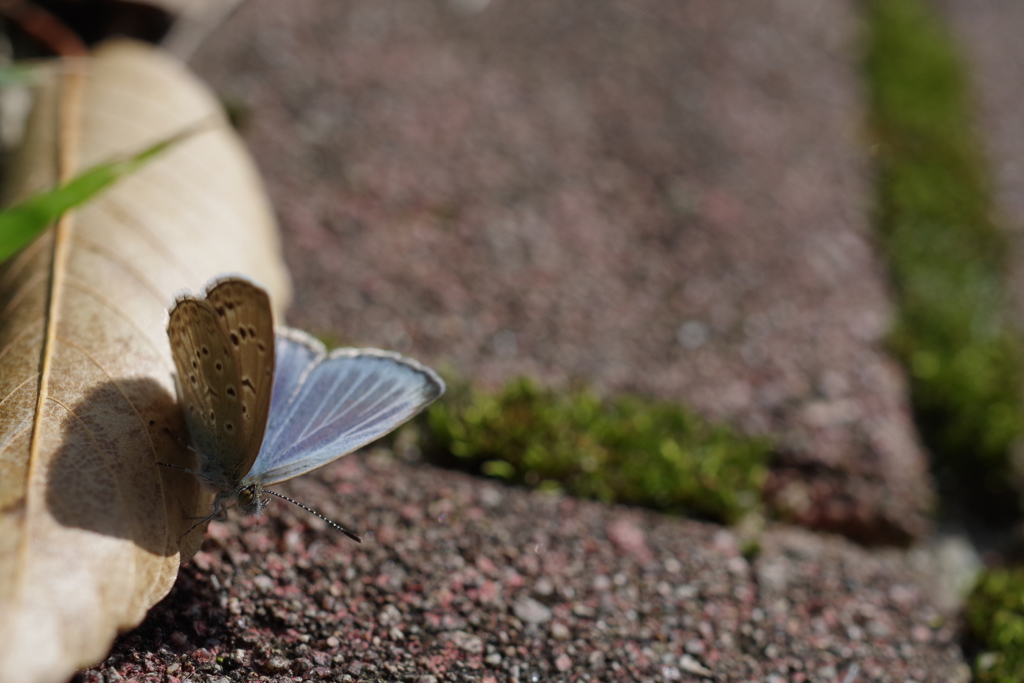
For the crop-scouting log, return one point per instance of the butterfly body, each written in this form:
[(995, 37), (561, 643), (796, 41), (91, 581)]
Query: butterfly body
[(263, 405)]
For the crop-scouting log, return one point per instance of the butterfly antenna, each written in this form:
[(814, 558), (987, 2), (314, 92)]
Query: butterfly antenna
[(350, 534), (185, 469), (179, 467), (181, 443)]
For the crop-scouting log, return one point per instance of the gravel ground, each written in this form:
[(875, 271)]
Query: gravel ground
[(666, 198), (458, 579)]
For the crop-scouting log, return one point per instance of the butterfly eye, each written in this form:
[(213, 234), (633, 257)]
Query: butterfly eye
[(250, 499)]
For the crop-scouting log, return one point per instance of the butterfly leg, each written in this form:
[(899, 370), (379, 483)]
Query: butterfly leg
[(216, 511)]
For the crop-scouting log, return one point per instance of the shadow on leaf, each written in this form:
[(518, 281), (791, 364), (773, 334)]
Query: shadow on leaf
[(105, 476)]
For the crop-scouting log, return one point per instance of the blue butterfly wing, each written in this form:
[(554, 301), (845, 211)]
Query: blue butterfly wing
[(296, 354), (330, 406)]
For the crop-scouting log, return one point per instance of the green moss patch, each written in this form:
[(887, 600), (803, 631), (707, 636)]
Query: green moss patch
[(947, 258), (995, 615), (624, 450)]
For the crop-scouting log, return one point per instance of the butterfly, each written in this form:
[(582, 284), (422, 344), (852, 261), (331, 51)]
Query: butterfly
[(264, 405)]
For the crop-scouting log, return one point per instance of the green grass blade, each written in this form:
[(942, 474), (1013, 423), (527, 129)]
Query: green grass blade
[(17, 74), (21, 223)]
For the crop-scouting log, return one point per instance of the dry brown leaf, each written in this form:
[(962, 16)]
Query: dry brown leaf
[(91, 528)]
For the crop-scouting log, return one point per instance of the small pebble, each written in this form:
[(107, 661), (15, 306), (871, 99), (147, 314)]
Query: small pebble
[(691, 665), (263, 583), (531, 611), (275, 665)]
